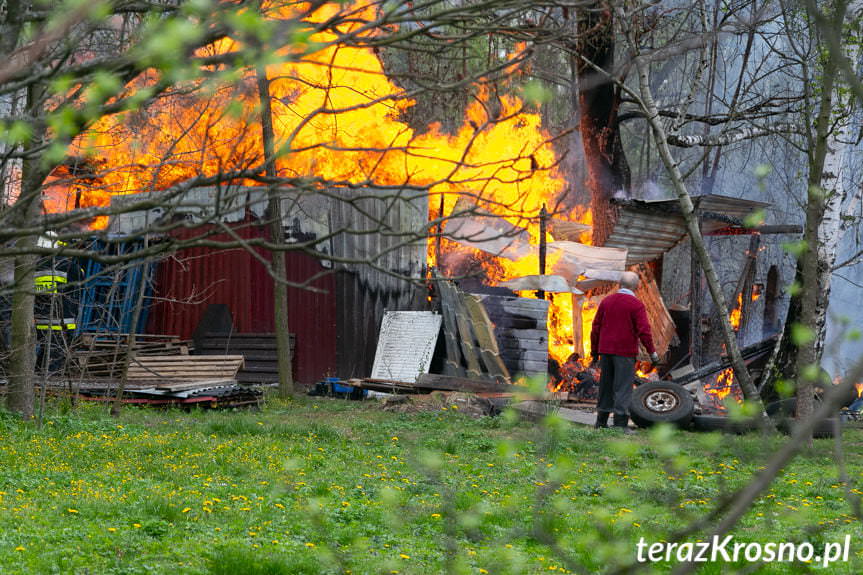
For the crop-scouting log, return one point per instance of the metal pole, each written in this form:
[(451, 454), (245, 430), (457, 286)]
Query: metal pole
[(543, 217)]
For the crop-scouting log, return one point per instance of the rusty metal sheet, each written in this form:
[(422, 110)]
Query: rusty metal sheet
[(647, 229)]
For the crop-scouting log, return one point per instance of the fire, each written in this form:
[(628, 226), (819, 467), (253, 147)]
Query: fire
[(859, 388), (722, 387), (756, 292), (737, 313), (341, 117)]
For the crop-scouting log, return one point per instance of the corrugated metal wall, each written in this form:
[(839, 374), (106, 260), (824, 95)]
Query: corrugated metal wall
[(196, 277), (383, 233)]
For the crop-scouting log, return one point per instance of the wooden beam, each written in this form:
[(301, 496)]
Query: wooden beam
[(445, 383), (452, 363)]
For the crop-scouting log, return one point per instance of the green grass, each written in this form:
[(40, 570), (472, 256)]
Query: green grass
[(335, 486)]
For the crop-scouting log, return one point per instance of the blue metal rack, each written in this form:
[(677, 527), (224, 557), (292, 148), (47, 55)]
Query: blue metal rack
[(108, 295)]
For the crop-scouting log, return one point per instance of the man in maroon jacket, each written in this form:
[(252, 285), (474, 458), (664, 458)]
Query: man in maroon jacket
[(620, 323)]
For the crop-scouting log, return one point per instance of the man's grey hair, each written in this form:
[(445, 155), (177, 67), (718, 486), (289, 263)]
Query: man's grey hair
[(629, 280)]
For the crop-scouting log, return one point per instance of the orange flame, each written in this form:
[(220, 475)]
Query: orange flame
[(737, 313), (859, 388), (723, 386), (341, 118)]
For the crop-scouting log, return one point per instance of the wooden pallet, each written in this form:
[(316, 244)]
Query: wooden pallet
[(103, 355)]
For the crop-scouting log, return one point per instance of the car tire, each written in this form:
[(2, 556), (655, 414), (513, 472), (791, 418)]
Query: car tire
[(661, 402)]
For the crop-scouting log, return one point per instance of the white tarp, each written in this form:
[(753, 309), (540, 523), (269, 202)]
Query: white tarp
[(590, 261), (548, 283), (471, 226)]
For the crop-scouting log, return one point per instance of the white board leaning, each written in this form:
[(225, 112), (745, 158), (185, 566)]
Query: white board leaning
[(406, 344)]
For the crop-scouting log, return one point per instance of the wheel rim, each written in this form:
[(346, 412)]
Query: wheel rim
[(661, 401)]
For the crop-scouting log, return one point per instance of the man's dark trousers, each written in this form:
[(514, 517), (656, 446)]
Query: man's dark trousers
[(615, 387)]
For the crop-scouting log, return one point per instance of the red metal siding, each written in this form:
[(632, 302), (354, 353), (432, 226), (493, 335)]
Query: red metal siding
[(196, 277)]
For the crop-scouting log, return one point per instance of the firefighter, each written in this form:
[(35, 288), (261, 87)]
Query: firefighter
[(55, 310)]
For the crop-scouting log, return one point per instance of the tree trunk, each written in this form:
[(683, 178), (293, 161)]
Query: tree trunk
[(22, 355), (274, 209), (599, 102), (825, 197)]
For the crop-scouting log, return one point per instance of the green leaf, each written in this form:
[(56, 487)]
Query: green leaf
[(535, 93), (785, 388), (55, 153), (811, 373), (18, 133), (196, 7), (801, 334), (755, 219), (762, 170), (796, 249), (63, 122)]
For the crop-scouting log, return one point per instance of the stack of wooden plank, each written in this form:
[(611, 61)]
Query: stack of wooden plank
[(185, 369), (471, 347), (178, 380), (259, 350)]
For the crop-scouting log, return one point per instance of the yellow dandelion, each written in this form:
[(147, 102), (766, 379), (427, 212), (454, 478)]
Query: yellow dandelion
[(436, 515), (70, 510), (403, 556), (20, 548), (186, 509), (310, 544)]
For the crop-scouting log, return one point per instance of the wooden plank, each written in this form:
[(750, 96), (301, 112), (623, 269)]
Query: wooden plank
[(453, 362), (488, 349), (465, 335), (386, 386), (448, 383), (577, 324), (190, 358), (185, 367)]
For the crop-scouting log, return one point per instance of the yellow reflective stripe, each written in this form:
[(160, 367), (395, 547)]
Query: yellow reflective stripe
[(49, 283), (56, 326)]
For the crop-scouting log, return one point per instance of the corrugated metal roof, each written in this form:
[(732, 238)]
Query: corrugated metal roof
[(645, 234), (647, 229)]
